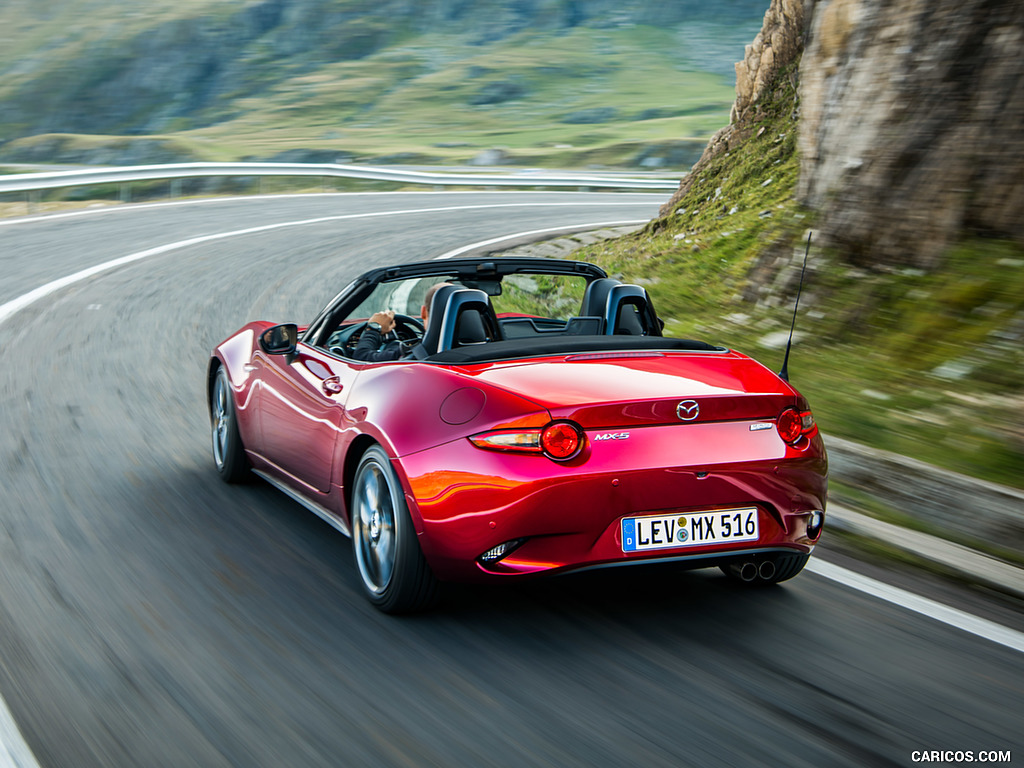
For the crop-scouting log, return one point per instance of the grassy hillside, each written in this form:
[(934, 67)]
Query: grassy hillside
[(396, 81), (930, 365), (545, 100)]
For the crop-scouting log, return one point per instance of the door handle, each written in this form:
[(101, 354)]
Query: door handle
[(331, 385)]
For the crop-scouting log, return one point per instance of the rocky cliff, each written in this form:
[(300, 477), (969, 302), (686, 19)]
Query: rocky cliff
[(770, 59), (912, 125), (911, 120)]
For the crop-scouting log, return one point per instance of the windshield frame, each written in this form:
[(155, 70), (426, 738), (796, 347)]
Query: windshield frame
[(469, 272)]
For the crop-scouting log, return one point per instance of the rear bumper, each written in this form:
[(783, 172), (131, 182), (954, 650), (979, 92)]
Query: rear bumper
[(707, 560), (570, 514)]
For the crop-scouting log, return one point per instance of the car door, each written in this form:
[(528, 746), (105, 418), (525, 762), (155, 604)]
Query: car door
[(302, 407)]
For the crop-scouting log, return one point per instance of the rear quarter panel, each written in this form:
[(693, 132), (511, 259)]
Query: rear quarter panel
[(410, 407)]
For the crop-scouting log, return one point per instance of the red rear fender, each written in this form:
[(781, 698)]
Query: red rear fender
[(419, 406)]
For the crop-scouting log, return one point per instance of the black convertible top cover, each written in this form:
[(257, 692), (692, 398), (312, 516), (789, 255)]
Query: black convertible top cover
[(567, 345)]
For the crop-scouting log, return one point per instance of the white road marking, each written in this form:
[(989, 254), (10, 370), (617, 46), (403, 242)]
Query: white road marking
[(21, 302), (14, 752), (933, 609), (504, 238), (133, 207)]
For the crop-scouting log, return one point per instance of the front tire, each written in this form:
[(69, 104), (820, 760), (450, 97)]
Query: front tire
[(228, 452), (392, 570)]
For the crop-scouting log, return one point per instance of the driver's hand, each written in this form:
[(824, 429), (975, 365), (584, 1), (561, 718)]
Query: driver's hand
[(386, 320)]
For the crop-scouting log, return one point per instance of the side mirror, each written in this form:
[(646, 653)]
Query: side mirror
[(280, 339)]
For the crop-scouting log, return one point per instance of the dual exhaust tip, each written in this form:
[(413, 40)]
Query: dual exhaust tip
[(750, 570)]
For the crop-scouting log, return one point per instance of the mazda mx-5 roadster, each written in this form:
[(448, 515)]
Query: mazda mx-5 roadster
[(537, 423)]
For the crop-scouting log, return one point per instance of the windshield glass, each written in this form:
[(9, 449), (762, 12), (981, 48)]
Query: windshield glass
[(557, 297), (403, 297)]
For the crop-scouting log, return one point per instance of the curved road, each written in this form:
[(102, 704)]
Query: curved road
[(151, 616)]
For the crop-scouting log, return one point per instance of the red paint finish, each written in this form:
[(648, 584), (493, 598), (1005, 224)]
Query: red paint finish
[(674, 374), (300, 415), (463, 405), (571, 512)]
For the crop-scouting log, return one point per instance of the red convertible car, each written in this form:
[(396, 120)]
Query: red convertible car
[(539, 423)]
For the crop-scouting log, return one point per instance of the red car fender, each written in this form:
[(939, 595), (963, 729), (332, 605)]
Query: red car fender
[(410, 407), (447, 405), (234, 354)]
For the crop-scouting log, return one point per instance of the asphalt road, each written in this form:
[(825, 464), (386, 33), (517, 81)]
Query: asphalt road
[(152, 616)]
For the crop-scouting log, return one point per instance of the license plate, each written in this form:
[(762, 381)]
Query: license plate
[(724, 526)]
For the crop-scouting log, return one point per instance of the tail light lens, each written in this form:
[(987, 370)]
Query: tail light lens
[(808, 426), (520, 442), (793, 425), (559, 440), (788, 425)]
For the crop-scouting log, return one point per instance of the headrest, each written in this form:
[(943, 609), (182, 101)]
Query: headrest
[(629, 311), (435, 316), (595, 298), (468, 319)]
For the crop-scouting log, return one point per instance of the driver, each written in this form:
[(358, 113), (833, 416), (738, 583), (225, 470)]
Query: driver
[(369, 349)]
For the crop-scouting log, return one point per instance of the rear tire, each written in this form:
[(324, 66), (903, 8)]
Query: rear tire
[(228, 452), (785, 566), (392, 570)]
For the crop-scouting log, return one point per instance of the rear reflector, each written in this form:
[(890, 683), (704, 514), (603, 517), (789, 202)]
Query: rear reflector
[(502, 550)]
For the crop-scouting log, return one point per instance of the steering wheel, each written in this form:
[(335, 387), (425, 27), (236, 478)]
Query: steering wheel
[(409, 330)]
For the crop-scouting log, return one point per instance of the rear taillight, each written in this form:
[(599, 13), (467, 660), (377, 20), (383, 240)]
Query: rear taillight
[(559, 440), (522, 442), (808, 426), (788, 425), (794, 425)]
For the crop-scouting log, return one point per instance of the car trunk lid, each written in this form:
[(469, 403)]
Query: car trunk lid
[(609, 390)]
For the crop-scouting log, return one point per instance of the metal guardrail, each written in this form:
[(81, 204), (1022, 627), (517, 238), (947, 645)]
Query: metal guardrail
[(31, 182)]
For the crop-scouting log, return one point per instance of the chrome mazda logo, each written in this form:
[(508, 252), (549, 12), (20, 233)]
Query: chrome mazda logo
[(688, 410)]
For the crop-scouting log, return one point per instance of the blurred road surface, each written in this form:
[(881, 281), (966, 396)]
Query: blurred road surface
[(152, 616)]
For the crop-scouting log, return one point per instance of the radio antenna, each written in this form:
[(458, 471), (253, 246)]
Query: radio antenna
[(784, 373)]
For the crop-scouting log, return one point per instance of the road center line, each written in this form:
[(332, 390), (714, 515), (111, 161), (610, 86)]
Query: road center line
[(136, 207), (21, 302), (518, 235), (933, 609)]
